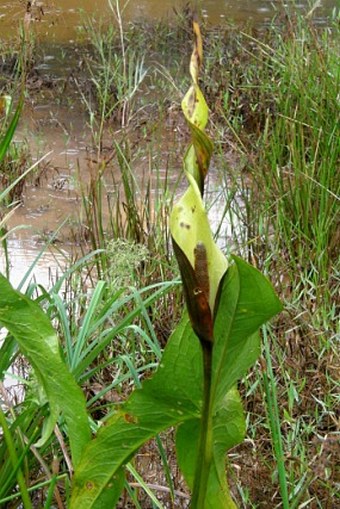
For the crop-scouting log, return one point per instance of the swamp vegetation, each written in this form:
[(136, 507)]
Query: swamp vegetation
[(96, 334)]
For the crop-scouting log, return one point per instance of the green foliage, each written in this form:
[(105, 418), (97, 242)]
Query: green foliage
[(274, 98), (85, 344), (117, 70), (39, 343), (203, 268), (87, 352), (280, 107), (229, 430), (125, 258), (7, 135), (12, 158), (174, 394), (242, 299)]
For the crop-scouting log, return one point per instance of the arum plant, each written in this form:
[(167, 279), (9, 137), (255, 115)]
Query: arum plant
[(202, 264), (208, 291), (194, 386)]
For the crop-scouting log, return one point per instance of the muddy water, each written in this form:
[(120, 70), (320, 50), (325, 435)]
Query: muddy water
[(60, 19), (51, 125)]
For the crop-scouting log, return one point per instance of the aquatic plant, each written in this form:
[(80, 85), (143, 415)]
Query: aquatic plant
[(276, 148), (8, 133)]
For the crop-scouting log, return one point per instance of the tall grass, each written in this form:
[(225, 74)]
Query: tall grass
[(300, 153), (117, 70), (278, 113), (285, 94)]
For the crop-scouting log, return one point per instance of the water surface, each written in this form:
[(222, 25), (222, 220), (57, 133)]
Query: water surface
[(60, 19)]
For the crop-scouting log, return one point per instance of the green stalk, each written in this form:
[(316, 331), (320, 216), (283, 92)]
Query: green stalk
[(205, 446), (274, 421), (31, 489), (5, 249), (167, 471), (49, 498), (14, 459)]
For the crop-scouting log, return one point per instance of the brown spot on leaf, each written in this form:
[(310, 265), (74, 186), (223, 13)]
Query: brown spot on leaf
[(130, 419), (185, 225)]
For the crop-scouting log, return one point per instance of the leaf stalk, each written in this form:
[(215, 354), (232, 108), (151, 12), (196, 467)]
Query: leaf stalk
[(205, 447)]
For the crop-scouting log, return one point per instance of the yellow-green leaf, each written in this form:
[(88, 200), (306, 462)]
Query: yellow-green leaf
[(189, 227)]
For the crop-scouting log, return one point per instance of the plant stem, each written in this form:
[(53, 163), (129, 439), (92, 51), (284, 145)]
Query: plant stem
[(205, 453)]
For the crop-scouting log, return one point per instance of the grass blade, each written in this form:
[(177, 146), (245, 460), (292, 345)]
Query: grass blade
[(274, 420), (15, 461), (6, 140)]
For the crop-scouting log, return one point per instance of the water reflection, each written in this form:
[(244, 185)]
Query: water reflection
[(25, 253)]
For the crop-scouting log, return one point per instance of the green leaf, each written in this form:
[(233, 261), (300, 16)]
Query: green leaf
[(31, 328), (174, 394), (8, 352), (228, 430), (110, 496), (247, 301), (7, 138)]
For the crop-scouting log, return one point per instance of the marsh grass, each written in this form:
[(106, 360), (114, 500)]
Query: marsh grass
[(14, 164), (116, 67), (125, 221), (276, 97)]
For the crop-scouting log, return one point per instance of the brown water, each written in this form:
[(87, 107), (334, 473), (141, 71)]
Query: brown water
[(59, 19)]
